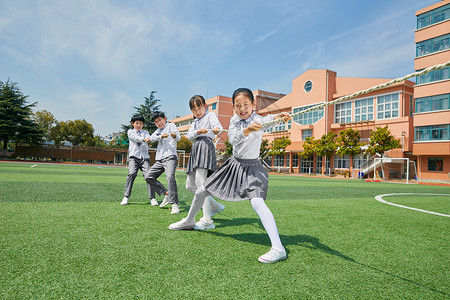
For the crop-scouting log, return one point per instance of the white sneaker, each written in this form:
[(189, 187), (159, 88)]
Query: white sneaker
[(153, 202), (272, 256), (124, 201), (218, 210), (175, 209), (165, 201), (202, 224), (181, 225)]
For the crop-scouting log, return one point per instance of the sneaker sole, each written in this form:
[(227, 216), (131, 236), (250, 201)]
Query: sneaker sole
[(205, 228), (184, 228), (261, 260)]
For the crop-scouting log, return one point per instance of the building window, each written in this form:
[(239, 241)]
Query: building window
[(306, 133), (342, 162), (295, 160), (306, 165), (387, 107), (436, 44), (288, 157), (433, 133), (319, 160), (343, 112), (278, 160), (435, 75), (364, 110), (433, 103), (309, 117), (435, 164), (308, 86), (433, 16), (214, 106)]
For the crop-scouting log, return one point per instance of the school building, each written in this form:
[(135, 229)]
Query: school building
[(431, 117), (416, 113)]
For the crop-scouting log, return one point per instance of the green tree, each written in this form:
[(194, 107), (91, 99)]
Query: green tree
[(309, 147), (382, 141), (46, 121), (278, 146), (184, 144), (326, 145), (16, 119), (348, 142), (78, 132), (264, 149), (228, 148), (146, 110)]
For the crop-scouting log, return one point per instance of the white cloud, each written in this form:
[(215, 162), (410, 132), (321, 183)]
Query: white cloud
[(262, 38), (106, 37)]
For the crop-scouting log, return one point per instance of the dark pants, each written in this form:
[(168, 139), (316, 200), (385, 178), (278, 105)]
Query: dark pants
[(134, 165), (167, 165)]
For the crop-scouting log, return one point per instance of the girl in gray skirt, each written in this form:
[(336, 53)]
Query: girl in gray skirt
[(242, 176), (202, 160)]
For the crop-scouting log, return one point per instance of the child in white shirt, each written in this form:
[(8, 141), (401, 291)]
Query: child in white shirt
[(242, 176), (167, 136), (138, 157), (202, 159)]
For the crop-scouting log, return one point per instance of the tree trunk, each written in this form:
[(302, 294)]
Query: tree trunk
[(5, 142)]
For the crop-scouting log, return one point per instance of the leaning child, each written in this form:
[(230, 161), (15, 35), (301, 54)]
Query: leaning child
[(167, 136), (242, 176)]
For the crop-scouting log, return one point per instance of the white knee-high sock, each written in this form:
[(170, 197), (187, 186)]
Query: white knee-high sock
[(197, 203), (213, 203), (207, 208), (268, 221)]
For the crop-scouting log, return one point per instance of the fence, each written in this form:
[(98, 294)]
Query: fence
[(72, 153)]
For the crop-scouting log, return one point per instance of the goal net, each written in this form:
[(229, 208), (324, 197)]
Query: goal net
[(395, 169)]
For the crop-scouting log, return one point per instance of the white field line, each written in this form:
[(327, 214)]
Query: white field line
[(380, 199), (33, 166)]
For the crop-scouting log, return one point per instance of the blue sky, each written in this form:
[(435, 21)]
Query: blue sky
[(97, 59)]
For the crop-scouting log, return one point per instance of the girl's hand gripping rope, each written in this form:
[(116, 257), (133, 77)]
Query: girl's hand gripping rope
[(284, 116)]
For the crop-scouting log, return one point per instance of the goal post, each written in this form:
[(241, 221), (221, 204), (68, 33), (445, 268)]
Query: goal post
[(396, 169)]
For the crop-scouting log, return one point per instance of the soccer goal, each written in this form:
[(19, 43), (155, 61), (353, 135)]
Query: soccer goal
[(395, 169)]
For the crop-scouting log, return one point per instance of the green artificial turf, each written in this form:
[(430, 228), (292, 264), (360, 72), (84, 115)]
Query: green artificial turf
[(63, 235)]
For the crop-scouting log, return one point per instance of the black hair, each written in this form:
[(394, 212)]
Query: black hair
[(137, 118), (157, 114), (197, 100), (244, 91)]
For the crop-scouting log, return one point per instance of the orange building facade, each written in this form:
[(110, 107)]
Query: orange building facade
[(416, 113), (431, 118), (390, 106)]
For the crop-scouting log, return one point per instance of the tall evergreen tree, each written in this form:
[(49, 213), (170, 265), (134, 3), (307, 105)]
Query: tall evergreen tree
[(146, 110), (16, 122)]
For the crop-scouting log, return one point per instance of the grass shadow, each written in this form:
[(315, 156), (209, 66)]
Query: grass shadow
[(306, 241)]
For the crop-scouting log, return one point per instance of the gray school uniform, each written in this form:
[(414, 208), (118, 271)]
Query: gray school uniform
[(138, 159), (242, 176), (203, 152), (166, 162)]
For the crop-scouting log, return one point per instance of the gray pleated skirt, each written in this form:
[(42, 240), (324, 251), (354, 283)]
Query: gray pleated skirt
[(203, 155), (238, 179)]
